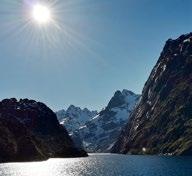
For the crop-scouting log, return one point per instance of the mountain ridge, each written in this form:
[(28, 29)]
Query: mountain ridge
[(161, 123), (105, 124)]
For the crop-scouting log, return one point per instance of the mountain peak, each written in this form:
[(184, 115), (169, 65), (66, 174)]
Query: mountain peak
[(74, 117), (99, 131), (122, 97), (127, 92), (72, 107)]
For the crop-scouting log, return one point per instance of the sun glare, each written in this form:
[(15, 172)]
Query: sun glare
[(41, 14)]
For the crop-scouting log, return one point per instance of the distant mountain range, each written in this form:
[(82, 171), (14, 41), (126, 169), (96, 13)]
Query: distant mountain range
[(74, 117), (94, 131), (162, 122)]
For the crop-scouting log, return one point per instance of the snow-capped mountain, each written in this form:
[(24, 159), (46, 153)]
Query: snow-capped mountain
[(99, 131), (74, 117)]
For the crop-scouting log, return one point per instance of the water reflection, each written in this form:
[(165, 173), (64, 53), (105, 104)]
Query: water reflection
[(103, 165)]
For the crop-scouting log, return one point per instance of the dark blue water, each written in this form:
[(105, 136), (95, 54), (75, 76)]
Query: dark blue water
[(103, 165)]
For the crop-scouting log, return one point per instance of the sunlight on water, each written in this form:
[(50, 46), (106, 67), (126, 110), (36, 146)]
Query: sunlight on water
[(57, 167), (103, 164)]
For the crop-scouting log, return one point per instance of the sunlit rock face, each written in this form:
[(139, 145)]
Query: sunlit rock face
[(30, 131), (162, 122)]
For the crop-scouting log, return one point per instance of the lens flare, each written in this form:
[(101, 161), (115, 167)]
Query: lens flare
[(41, 14), (42, 27)]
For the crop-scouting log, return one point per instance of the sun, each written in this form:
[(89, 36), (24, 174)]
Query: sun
[(41, 14)]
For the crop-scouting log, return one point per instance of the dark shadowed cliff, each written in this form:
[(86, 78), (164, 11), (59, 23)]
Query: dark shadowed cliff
[(162, 122), (30, 131)]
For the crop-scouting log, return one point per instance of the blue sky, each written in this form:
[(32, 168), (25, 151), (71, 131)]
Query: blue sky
[(93, 49)]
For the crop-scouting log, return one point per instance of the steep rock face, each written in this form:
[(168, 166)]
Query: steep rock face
[(100, 132), (162, 122), (30, 131)]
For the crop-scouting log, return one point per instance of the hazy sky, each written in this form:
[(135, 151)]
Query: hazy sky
[(92, 49)]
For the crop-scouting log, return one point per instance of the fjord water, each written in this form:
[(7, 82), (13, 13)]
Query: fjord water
[(103, 165)]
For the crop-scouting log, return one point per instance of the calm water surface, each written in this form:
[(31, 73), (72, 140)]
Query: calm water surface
[(103, 165)]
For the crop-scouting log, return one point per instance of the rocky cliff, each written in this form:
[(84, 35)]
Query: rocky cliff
[(30, 131), (162, 122)]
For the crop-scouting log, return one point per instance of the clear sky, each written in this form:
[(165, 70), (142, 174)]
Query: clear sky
[(94, 48)]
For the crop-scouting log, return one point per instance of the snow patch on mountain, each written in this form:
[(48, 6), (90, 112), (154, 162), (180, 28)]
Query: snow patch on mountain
[(74, 117), (99, 131)]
